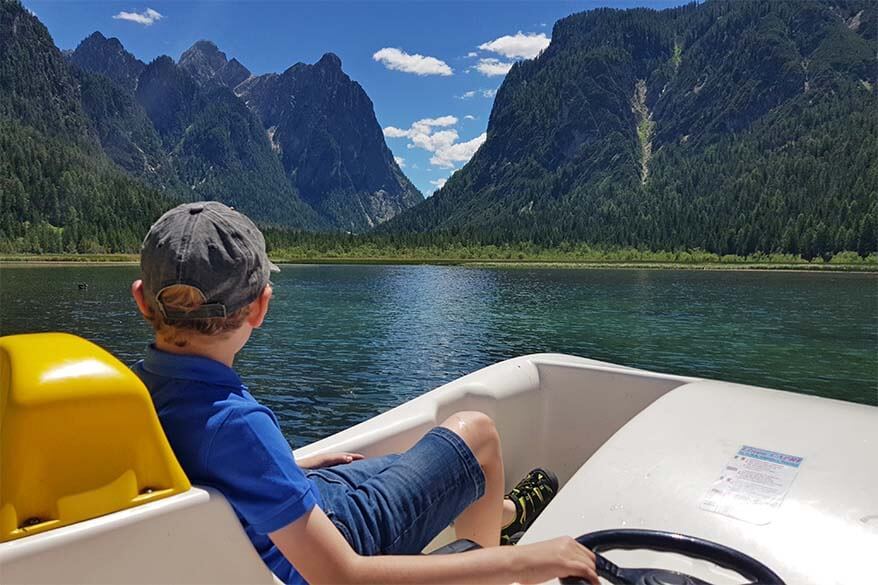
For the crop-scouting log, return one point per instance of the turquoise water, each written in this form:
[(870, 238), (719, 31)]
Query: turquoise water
[(343, 343)]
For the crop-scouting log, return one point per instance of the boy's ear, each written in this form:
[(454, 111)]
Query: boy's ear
[(139, 298), (259, 308)]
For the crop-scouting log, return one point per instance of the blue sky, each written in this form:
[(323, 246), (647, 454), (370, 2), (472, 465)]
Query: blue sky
[(437, 63)]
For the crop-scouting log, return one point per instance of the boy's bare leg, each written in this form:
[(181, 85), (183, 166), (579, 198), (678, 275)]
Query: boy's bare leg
[(481, 521)]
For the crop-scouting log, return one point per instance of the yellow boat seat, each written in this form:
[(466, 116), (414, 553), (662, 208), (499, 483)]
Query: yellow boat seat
[(79, 437)]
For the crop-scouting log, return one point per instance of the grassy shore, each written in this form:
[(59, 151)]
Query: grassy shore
[(69, 258), (845, 262)]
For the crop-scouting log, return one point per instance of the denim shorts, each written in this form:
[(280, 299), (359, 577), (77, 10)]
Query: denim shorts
[(397, 504)]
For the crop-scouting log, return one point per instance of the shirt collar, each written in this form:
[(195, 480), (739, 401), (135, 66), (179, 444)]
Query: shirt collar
[(189, 367)]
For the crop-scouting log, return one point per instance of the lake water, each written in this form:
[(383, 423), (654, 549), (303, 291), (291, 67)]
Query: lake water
[(343, 343)]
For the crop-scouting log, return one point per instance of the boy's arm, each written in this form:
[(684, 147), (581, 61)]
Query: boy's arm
[(321, 555)]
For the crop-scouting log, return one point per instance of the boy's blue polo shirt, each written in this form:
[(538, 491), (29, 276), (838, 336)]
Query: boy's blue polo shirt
[(225, 439)]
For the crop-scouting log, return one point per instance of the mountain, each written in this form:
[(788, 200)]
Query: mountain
[(228, 147), (218, 146), (108, 75), (207, 64), (176, 131), (108, 57), (323, 127), (735, 127)]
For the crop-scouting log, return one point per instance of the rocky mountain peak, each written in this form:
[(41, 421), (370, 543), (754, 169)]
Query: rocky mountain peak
[(233, 73), (329, 61), (344, 168), (95, 37), (202, 60), (207, 64), (208, 48), (167, 92), (107, 56)]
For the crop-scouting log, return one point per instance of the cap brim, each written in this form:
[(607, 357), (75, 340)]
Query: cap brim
[(273, 267)]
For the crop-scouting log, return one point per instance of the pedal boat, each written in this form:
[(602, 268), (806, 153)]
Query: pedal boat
[(90, 491)]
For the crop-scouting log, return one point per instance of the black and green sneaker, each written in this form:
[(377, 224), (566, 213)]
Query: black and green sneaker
[(530, 496)]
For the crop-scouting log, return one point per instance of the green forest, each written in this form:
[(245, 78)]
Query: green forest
[(84, 204)]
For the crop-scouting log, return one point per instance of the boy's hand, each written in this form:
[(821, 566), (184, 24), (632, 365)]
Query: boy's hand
[(559, 557), (327, 460)]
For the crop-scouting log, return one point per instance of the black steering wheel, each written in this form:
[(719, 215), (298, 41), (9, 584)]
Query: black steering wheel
[(690, 546)]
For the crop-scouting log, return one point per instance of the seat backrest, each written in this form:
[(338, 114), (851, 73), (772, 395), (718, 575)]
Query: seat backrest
[(79, 437)]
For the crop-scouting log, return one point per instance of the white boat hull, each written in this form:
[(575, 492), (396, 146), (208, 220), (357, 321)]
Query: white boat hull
[(631, 448)]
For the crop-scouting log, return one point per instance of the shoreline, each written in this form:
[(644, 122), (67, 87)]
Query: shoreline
[(132, 260)]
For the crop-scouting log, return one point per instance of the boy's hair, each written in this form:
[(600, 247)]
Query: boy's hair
[(181, 297)]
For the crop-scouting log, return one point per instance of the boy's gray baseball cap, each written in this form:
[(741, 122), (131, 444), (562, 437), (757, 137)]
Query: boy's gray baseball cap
[(208, 246)]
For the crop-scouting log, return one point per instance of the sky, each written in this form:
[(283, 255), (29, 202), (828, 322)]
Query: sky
[(431, 69)]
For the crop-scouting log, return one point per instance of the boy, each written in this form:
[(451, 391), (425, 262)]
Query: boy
[(328, 519)]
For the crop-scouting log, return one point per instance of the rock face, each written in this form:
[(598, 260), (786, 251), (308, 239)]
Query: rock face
[(207, 64), (218, 146), (323, 126), (98, 54), (232, 73), (125, 132), (693, 127), (168, 94)]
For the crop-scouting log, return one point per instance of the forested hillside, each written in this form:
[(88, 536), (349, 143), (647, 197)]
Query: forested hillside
[(733, 127), (58, 192)]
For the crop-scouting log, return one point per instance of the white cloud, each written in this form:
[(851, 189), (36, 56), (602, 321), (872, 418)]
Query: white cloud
[(422, 126), (434, 142), (399, 60), (399, 161), (394, 132), (493, 67), (519, 45), (486, 93), (440, 121), (438, 183), (460, 152), (146, 18), (469, 117), (443, 143), (471, 55)]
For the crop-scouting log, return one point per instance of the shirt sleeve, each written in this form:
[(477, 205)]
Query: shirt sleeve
[(254, 468)]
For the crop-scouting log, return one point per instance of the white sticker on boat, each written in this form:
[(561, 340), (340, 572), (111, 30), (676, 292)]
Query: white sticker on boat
[(752, 485)]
